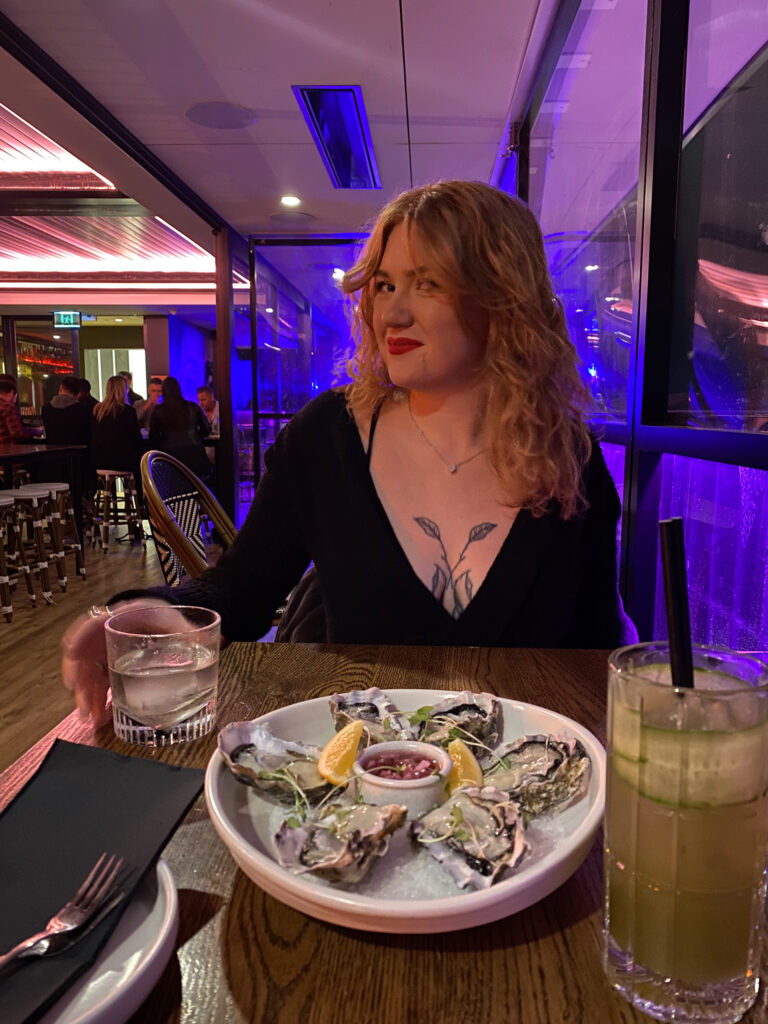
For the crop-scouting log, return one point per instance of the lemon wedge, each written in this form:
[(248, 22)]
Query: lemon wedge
[(338, 754), (465, 771)]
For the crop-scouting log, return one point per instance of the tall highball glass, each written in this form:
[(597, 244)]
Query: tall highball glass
[(686, 832)]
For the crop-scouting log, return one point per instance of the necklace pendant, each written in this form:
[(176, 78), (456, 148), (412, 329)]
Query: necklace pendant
[(451, 467)]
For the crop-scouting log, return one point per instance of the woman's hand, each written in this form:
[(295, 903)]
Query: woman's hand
[(84, 656)]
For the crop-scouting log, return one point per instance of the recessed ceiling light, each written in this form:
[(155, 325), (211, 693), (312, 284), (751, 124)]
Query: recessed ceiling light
[(269, 309), (337, 274), (591, 266), (118, 319), (56, 337), (290, 200), (222, 115)]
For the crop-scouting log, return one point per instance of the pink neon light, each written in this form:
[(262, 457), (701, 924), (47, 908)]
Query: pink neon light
[(751, 289), (25, 149)]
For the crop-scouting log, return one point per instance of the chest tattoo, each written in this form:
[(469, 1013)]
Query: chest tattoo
[(444, 578)]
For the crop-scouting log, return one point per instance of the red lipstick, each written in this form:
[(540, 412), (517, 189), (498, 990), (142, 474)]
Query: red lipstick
[(398, 346)]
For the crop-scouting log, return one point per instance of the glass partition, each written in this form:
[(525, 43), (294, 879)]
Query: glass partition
[(725, 515), (583, 164), (302, 329), (718, 375), (663, 271)]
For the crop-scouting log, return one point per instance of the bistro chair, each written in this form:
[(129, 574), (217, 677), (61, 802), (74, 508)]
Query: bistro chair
[(181, 513)]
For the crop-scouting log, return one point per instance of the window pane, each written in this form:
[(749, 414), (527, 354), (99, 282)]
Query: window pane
[(584, 159), (719, 360), (241, 391), (303, 333), (725, 512)]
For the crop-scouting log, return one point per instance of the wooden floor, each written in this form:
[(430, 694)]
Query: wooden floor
[(32, 695)]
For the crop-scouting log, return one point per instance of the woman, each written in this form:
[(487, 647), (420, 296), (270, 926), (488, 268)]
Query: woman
[(179, 427), (115, 435), (452, 493)]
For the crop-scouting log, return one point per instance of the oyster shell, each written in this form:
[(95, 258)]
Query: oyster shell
[(382, 719), (475, 835), (477, 715), (539, 771), (340, 841), (282, 768)]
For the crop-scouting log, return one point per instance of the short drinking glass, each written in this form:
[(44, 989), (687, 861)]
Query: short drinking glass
[(163, 667), (686, 832)]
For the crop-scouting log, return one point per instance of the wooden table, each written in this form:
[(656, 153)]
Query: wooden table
[(244, 957)]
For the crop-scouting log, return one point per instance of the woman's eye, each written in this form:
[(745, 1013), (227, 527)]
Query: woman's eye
[(425, 285), (384, 286)]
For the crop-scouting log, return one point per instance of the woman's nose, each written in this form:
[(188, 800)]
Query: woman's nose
[(397, 312)]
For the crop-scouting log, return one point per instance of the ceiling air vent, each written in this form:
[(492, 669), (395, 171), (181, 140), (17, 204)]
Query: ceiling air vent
[(338, 123)]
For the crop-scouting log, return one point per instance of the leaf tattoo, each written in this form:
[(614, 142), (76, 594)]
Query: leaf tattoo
[(480, 531), (438, 582), (441, 581), (431, 529)]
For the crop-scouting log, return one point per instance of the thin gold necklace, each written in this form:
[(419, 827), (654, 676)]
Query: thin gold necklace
[(452, 466)]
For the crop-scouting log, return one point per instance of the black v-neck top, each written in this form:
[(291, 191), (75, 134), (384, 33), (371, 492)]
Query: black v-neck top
[(553, 583)]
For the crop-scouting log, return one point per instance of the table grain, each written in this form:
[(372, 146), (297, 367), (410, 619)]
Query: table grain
[(244, 957)]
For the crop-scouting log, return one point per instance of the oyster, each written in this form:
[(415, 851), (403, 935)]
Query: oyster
[(475, 715), (283, 768), (340, 841), (539, 771), (475, 835), (382, 719)]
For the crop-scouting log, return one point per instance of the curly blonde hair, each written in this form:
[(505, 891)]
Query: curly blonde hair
[(489, 249)]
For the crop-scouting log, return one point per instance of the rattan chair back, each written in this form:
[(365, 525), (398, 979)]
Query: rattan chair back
[(179, 504)]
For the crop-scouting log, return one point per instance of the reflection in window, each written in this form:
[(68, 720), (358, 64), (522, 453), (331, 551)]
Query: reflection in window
[(725, 513), (584, 159), (302, 331), (719, 362), (614, 455)]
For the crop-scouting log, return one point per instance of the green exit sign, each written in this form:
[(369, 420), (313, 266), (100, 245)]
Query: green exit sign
[(66, 318)]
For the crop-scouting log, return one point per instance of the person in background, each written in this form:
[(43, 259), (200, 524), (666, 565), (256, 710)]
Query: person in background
[(179, 428), (66, 420), (210, 406), (11, 427), (116, 441), (133, 396), (207, 402), (145, 409), (84, 394)]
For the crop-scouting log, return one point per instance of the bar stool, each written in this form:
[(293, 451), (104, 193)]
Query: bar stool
[(116, 507), (12, 547), (62, 521), (32, 505), (7, 505)]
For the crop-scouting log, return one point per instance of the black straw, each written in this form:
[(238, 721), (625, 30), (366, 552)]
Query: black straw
[(676, 597)]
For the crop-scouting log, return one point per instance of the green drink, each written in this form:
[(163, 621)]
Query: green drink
[(686, 832)]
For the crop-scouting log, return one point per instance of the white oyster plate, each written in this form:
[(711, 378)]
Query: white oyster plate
[(406, 892)]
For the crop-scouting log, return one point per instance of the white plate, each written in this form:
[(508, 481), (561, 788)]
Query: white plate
[(130, 965), (428, 901)]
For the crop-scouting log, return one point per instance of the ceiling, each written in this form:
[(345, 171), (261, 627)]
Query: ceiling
[(440, 83)]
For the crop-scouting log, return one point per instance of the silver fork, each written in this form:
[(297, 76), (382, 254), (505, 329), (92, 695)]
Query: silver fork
[(98, 894)]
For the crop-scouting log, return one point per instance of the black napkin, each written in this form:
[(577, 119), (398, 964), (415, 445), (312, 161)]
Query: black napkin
[(81, 802)]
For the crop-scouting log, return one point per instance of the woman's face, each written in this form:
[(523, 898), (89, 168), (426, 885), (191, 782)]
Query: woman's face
[(421, 340)]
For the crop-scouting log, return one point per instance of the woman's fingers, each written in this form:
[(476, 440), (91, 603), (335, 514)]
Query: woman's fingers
[(84, 651)]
